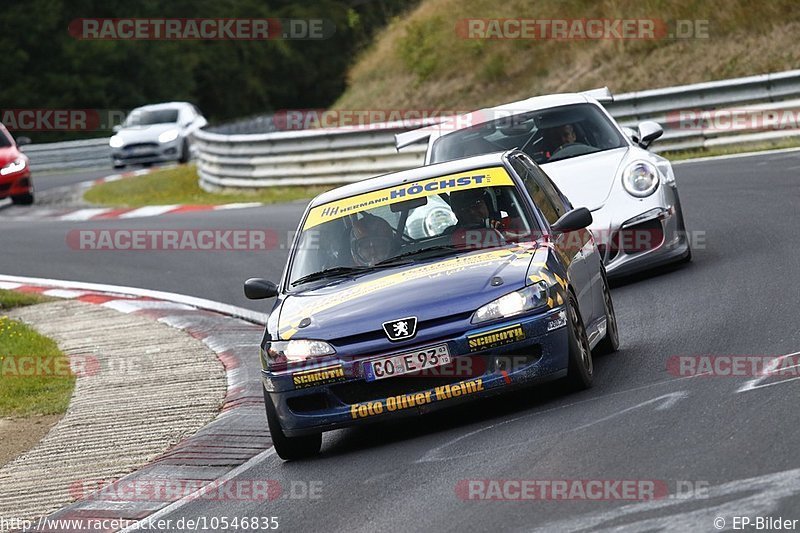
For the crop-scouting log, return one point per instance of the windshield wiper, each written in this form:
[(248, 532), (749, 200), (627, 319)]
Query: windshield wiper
[(439, 248), (330, 273)]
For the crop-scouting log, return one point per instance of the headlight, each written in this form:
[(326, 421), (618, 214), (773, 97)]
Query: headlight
[(297, 351), (168, 136), (513, 303), (437, 220), (14, 166), (640, 179), (115, 141)]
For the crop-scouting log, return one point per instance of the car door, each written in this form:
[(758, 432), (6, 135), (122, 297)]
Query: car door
[(570, 246)]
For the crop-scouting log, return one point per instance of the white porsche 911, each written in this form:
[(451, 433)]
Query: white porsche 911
[(631, 192)]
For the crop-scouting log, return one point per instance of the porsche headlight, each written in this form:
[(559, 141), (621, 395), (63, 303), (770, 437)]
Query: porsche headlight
[(168, 136), (115, 141), (297, 351), (437, 220), (513, 303), (14, 166), (640, 179)]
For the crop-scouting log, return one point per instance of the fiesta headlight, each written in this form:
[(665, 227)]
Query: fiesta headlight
[(437, 220), (14, 166), (168, 136), (640, 179), (297, 351), (513, 303), (115, 141)]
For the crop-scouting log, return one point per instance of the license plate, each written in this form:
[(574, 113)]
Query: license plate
[(407, 363), (136, 150)]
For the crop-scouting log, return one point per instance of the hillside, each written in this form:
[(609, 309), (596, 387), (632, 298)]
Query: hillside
[(418, 61)]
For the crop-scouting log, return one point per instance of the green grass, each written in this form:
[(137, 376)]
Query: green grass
[(677, 155), (421, 60), (34, 376), (9, 299), (179, 185)]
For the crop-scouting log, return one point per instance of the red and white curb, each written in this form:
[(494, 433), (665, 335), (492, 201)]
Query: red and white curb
[(235, 439), (111, 213)]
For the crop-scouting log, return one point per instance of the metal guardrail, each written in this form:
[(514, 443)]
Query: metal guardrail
[(91, 153), (227, 159), (341, 155)]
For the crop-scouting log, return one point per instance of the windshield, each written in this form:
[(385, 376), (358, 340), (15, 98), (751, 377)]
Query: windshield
[(435, 217), (141, 117), (5, 140), (545, 135)]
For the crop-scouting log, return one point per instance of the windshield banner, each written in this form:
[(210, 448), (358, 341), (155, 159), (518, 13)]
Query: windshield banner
[(487, 177)]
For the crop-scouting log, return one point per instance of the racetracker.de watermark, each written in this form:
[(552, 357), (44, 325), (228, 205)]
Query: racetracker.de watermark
[(734, 365), (200, 29), (584, 29), (371, 119), (167, 490), (735, 119), (173, 239), (579, 489), (51, 119), (38, 366)]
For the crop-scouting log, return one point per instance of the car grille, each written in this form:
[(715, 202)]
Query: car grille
[(638, 238), (379, 334), (140, 145)]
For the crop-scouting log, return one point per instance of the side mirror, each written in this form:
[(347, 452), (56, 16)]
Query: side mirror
[(22, 141), (649, 131), (574, 220), (117, 128), (258, 289)]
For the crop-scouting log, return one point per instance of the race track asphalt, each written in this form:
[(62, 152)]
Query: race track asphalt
[(740, 296)]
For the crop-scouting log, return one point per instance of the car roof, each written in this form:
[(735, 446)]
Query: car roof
[(163, 105), (488, 114), (415, 174)]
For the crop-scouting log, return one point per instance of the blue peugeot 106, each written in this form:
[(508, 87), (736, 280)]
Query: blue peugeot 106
[(425, 288)]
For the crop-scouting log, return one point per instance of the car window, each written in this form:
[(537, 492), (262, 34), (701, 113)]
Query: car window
[(478, 209), (5, 139), (546, 135), (544, 195), (142, 117)]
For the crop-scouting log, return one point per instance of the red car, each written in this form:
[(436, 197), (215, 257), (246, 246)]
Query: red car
[(15, 171)]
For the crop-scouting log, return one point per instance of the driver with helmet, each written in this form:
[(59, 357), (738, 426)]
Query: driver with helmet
[(371, 240)]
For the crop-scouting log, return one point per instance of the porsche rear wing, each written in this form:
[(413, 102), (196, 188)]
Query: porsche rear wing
[(601, 94), (406, 138)]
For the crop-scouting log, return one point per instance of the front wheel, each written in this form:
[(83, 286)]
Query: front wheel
[(185, 152), (290, 448), (610, 342), (580, 372), (23, 199)]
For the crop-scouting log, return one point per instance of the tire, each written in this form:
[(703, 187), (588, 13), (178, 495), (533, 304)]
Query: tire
[(118, 166), (610, 342), (682, 228), (185, 153), (580, 372), (290, 448), (23, 199)]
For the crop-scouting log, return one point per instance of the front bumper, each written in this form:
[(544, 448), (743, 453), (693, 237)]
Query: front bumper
[(541, 355), (16, 184), (147, 153), (649, 234)]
